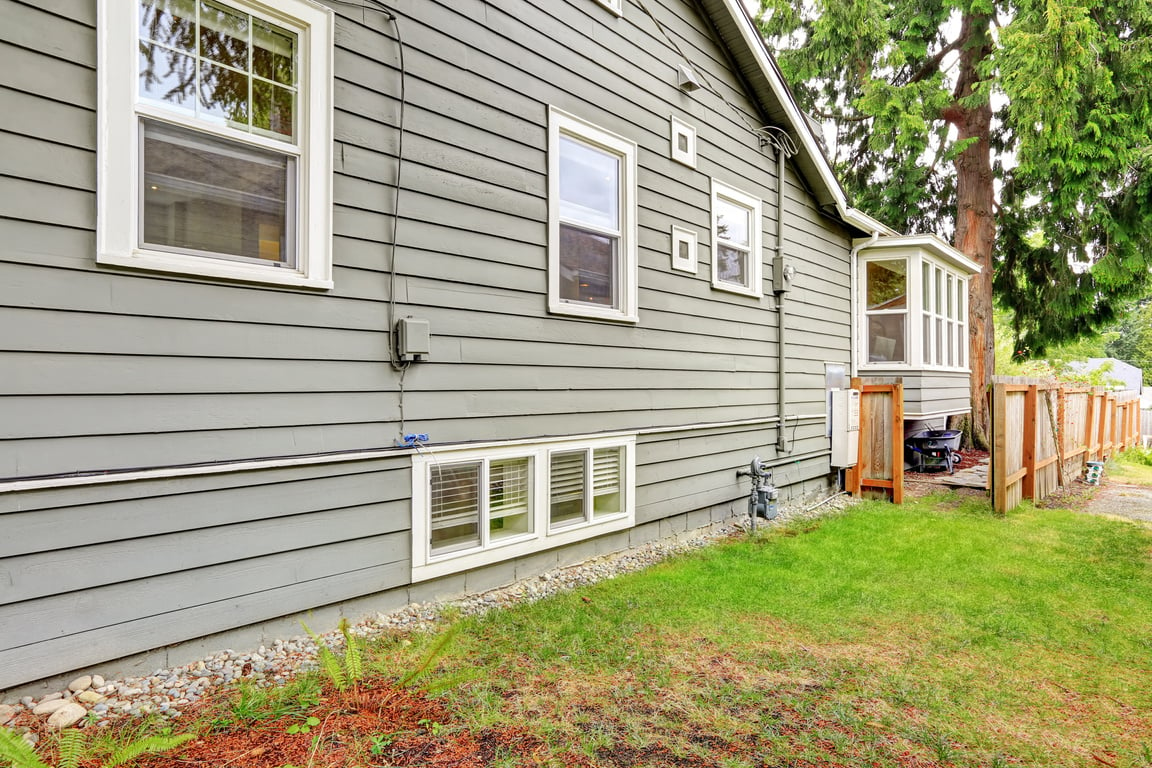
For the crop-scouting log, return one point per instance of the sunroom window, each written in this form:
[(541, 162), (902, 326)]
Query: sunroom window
[(216, 146), (886, 310)]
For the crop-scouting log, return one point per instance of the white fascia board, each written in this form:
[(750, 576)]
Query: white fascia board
[(799, 122), (931, 243)]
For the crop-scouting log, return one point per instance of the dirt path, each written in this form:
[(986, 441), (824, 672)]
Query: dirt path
[(1124, 500)]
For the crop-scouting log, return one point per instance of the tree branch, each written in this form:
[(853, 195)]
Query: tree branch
[(932, 66)]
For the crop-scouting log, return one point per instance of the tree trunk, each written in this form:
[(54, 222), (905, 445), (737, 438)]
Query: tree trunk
[(975, 211)]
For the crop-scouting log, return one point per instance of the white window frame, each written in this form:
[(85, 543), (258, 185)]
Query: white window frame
[(755, 206), (426, 565), (911, 318), (561, 123), (955, 325), (678, 129), (919, 352), (118, 146)]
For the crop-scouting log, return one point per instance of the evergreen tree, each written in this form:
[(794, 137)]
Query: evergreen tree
[(1019, 127)]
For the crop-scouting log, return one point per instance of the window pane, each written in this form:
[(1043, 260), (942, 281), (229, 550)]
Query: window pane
[(589, 185), (951, 294), (607, 481), (171, 22), (588, 266), (926, 286), (509, 497), (939, 341), (886, 339), (215, 197), (273, 53), (273, 108), (950, 340), (887, 286), (224, 94), (732, 265), (224, 35), (926, 354), (939, 292), (455, 507), (566, 488), (168, 76), (733, 222)]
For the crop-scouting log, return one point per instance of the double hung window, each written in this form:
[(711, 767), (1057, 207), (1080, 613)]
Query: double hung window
[(215, 139), (477, 506), (736, 238), (592, 220), (886, 310)]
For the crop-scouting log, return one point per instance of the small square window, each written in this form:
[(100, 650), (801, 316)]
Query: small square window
[(683, 142), (684, 249)]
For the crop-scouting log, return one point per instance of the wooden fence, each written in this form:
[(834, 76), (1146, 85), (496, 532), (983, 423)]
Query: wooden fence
[(881, 461), (1043, 432)]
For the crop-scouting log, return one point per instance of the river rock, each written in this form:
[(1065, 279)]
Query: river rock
[(82, 683), (89, 697), (97, 681), (48, 706), (67, 716), (7, 713)]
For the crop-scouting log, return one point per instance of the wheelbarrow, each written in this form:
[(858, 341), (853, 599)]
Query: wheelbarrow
[(934, 449)]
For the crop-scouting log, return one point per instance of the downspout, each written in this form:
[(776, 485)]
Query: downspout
[(854, 301), (781, 281)]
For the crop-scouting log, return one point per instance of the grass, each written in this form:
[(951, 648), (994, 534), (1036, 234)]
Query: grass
[(1134, 467), (932, 630), (932, 634)]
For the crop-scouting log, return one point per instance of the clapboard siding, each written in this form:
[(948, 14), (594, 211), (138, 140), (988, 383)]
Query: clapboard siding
[(936, 392), (112, 369)]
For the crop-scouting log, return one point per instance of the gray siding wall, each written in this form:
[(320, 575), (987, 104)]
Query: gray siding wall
[(936, 392), (107, 369)]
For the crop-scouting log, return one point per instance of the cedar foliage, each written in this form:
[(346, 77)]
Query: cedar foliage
[(1038, 110)]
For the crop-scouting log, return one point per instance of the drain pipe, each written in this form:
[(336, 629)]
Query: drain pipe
[(782, 274)]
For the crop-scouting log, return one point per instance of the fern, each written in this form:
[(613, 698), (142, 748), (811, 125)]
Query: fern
[(70, 749), (329, 664), (353, 657), (16, 752), (149, 744), (433, 653)]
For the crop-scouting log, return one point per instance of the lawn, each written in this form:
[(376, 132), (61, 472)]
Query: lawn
[(932, 634)]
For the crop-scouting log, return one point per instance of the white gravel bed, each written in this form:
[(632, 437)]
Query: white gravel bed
[(91, 699)]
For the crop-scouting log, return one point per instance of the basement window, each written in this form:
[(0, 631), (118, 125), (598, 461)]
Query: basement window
[(476, 506)]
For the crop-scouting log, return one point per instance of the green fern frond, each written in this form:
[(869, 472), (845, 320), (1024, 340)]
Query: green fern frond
[(433, 653), (17, 752), (353, 654), (329, 664), (70, 749), (149, 744)]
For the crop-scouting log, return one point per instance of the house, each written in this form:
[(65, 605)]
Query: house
[(331, 308), (1124, 376)]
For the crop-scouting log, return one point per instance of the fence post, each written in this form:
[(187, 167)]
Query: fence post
[(999, 448), (1028, 460), (852, 474), (898, 443)]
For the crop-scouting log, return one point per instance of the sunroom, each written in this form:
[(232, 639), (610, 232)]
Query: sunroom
[(912, 323)]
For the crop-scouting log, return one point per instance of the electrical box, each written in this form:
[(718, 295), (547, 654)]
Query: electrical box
[(413, 338), (845, 427), (782, 274)]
